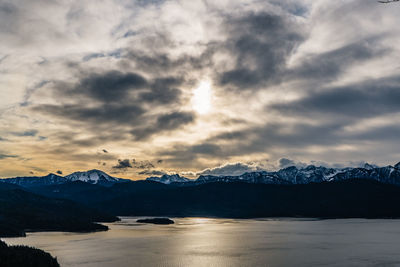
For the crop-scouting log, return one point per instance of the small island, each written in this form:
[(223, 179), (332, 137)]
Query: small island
[(156, 221)]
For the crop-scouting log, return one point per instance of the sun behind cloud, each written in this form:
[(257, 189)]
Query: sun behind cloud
[(201, 99)]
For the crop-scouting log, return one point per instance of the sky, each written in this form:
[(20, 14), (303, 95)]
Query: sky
[(140, 88)]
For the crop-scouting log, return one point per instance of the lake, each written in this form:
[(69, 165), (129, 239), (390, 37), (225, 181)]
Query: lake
[(227, 242)]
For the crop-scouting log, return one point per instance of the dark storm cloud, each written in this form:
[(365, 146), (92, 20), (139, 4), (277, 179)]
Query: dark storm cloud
[(163, 63), (129, 34), (59, 172), (7, 8), (5, 156), (295, 8), (150, 2), (330, 64), (174, 119), (183, 154), (68, 152), (206, 148), (74, 140), (164, 123), (109, 86), (93, 56), (100, 114), (123, 164), (260, 139), (116, 86), (376, 134), (363, 100), (115, 98), (162, 91), (8, 17), (30, 133), (261, 43), (294, 135), (142, 164), (284, 162), (105, 151)]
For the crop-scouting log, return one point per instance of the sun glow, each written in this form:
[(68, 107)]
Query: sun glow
[(201, 99)]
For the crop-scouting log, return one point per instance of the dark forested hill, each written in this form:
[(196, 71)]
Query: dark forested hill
[(21, 210), (18, 256), (342, 199), (345, 199)]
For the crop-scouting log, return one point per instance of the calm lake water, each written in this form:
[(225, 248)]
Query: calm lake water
[(224, 242)]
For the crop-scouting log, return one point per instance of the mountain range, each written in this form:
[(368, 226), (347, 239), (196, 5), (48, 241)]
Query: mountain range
[(76, 201), (91, 177), (287, 176), (293, 175)]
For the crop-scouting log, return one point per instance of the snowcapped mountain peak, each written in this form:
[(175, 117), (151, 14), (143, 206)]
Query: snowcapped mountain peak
[(92, 176), (310, 168), (397, 166), (290, 168), (368, 166), (168, 179)]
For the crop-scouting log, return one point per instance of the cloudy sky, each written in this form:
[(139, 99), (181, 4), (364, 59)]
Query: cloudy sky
[(144, 87)]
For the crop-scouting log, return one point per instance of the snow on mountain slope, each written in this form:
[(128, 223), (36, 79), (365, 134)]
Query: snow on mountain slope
[(168, 179), (93, 177), (49, 179), (294, 175)]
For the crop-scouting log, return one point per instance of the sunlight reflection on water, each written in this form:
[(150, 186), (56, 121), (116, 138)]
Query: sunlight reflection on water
[(227, 242)]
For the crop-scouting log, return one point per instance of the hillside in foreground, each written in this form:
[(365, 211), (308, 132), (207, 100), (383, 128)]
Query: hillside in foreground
[(17, 256)]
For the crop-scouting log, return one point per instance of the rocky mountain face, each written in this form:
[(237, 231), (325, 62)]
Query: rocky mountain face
[(50, 179), (92, 177), (169, 179), (293, 175)]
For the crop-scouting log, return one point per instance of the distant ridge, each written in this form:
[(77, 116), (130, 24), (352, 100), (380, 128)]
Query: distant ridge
[(169, 179), (92, 176), (287, 176), (293, 175), (49, 179)]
